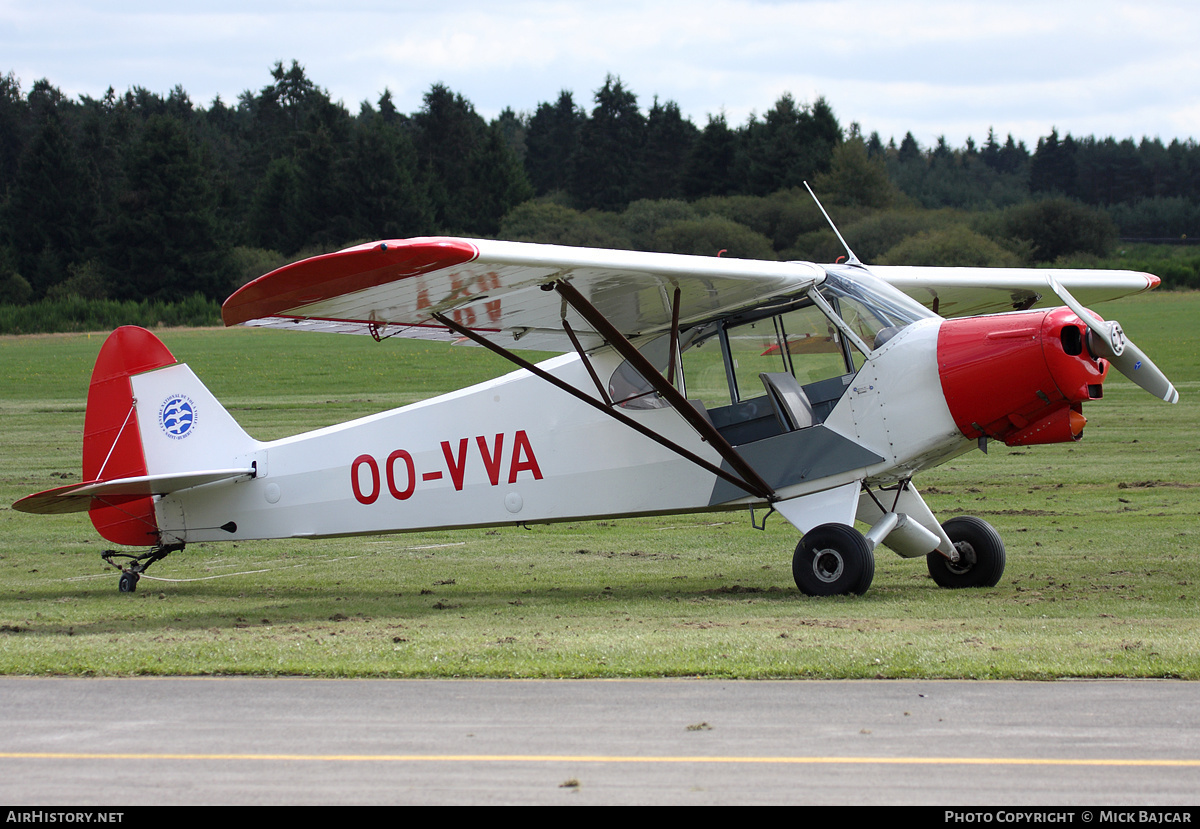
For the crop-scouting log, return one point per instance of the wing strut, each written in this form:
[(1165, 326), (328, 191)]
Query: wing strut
[(678, 402), (762, 492), (673, 350), (586, 362)]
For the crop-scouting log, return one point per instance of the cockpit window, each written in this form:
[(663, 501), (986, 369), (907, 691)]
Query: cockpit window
[(871, 307), (723, 360), (802, 341)]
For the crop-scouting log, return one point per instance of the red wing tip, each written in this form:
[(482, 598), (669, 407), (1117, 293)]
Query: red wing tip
[(416, 242), (342, 272)]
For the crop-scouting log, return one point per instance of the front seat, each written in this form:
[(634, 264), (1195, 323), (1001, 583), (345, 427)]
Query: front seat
[(791, 403)]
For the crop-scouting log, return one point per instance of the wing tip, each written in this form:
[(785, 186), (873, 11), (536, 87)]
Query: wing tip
[(345, 271)]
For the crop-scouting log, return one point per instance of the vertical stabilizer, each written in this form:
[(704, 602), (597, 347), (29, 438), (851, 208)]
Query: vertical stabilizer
[(151, 428), (184, 428), (112, 442)]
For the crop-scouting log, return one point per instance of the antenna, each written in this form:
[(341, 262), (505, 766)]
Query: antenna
[(851, 259)]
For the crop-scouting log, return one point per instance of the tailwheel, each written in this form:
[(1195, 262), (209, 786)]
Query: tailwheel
[(833, 559), (980, 555), (132, 574)]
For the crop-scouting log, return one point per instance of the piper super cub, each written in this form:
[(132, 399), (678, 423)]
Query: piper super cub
[(687, 384)]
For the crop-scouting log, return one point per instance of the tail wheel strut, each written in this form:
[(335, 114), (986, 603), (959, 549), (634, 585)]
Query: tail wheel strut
[(132, 573)]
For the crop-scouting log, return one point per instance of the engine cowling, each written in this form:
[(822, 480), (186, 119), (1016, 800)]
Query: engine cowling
[(1020, 378)]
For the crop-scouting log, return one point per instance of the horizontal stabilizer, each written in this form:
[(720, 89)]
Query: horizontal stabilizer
[(78, 497)]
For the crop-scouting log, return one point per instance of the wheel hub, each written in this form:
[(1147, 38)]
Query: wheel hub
[(966, 558), (828, 565)]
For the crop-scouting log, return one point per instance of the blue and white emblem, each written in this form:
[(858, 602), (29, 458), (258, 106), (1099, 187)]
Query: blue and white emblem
[(177, 416)]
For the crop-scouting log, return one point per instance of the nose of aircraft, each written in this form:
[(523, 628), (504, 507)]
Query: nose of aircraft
[(1019, 378)]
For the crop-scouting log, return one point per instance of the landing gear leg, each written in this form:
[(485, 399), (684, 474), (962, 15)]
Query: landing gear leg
[(131, 574)]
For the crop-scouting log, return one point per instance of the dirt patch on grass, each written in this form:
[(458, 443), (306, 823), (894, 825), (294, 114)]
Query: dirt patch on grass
[(1151, 484)]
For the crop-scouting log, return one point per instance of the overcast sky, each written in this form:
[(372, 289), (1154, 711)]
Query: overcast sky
[(1102, 67)]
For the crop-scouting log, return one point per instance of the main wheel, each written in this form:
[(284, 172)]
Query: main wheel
[(128, 582), (980, 551), (833, 559)]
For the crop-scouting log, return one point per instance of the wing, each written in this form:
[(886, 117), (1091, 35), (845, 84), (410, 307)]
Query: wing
[(501, 290), (963, 292)]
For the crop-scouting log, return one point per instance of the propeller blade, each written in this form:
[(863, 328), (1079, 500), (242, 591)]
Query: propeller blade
[(1139, 368), (1106, 340)]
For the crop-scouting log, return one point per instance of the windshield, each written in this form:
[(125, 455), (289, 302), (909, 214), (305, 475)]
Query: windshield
[(868, 304)]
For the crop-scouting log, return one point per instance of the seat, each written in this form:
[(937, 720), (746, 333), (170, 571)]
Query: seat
[(792, 407), (699, 406)]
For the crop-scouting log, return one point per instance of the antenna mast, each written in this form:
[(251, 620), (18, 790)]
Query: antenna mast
[(851, 259)]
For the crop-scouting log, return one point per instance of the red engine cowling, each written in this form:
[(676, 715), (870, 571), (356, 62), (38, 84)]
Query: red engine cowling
[(1019, 378)]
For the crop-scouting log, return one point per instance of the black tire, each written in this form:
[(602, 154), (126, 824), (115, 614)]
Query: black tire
[(128, 583), (981, 555), (833, 560)]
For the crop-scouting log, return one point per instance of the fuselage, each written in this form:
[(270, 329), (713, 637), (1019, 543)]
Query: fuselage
[(516, 450)]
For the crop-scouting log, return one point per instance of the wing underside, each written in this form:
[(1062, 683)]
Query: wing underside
[(503, 290), (963, 292)]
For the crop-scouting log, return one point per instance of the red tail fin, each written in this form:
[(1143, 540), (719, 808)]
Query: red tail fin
[(112, 442)]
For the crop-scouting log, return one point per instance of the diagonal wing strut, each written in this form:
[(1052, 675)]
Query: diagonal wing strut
[(747, 479), (671, 394)]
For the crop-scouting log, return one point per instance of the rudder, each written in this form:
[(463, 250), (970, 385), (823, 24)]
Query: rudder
[(112, 442)]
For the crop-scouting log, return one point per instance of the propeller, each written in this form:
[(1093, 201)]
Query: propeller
[(1106, 340)]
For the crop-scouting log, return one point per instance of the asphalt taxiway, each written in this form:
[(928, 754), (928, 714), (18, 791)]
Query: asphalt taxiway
[(126, 742)]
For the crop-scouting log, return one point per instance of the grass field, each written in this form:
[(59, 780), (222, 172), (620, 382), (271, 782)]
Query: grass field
[(1103, 578)]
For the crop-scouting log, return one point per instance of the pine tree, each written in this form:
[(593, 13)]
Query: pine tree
[(551, 140), (1052, 168), (710, 167), (447, 133), (49, 220), (497, 183), (669, 140), (390, 200), (789, 146), (604, 169), (164, 243)]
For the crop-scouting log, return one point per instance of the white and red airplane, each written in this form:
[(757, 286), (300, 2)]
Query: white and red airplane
[(686, 384)]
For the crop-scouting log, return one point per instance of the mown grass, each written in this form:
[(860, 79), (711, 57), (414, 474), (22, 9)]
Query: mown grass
[(1101, 581)]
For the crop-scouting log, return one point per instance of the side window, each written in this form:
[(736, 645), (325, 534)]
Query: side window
[(755, 348), (629, 390), (722, 366), (704, 368), (814, 345), (802, 341)]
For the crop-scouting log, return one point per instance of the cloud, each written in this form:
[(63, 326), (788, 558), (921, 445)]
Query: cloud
[(952, 68)]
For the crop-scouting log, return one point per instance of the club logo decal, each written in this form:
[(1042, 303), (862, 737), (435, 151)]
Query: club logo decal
[(177, 416)]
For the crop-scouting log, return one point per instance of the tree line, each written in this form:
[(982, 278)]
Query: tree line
[(140, 196)]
